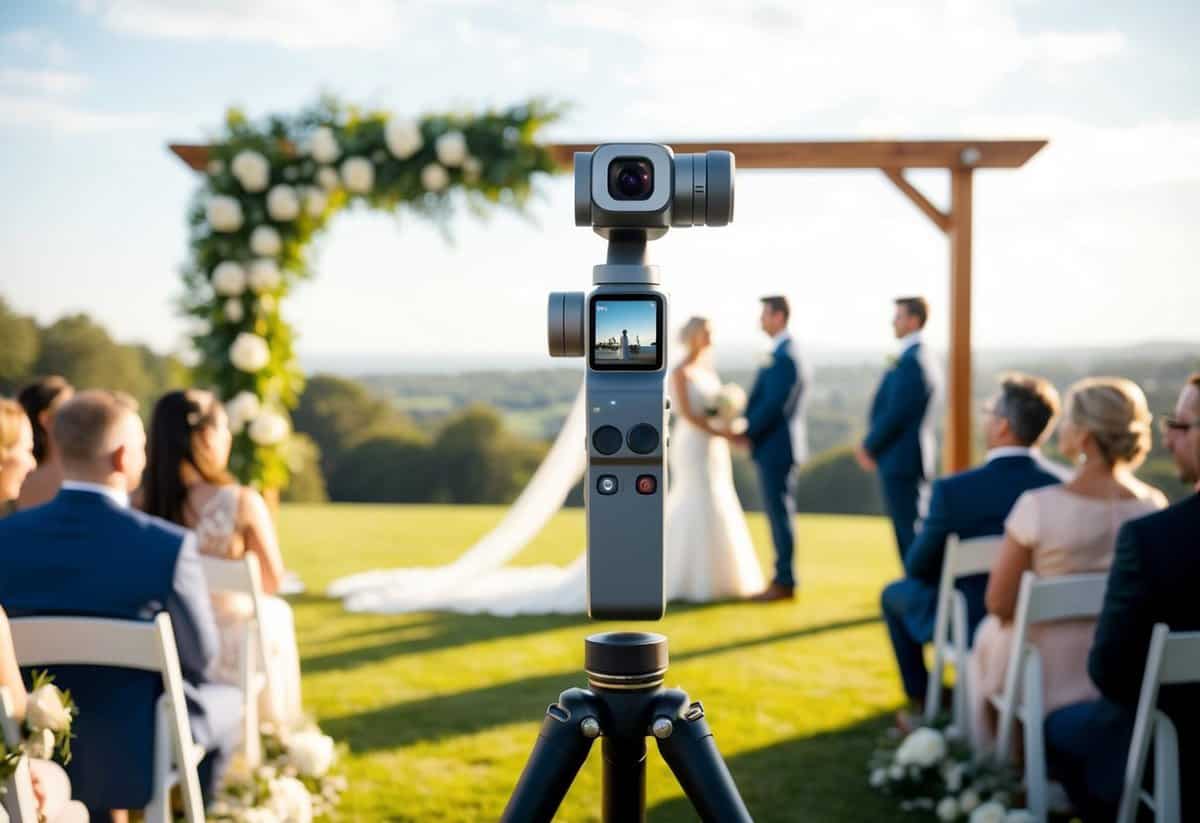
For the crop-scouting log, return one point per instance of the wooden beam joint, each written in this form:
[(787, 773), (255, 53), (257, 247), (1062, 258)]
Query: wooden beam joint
[(940, 219)]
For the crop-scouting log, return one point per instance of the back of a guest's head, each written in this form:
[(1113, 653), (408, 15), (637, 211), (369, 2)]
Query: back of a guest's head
[(1114, 412), (41, 400), (189, 441), (100, 435), (1028, 404)]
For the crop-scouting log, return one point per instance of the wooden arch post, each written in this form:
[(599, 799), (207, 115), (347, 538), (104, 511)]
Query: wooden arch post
[(958, 157)]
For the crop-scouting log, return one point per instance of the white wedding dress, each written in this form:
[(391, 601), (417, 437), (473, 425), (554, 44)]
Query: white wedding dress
[(709, 554)]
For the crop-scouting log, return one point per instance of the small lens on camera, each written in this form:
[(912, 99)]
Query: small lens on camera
[(630, 178)]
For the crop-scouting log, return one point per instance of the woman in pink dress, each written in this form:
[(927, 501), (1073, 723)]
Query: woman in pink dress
[(1061, 530)]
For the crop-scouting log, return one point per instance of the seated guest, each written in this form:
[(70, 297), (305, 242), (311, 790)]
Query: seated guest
[(1155, 578), (41, 399), (51, 786), (88, 553), (16, 453), (188, 482), (1061, 530), (970, 504)]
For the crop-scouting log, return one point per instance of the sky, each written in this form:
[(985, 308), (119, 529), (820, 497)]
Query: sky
[(1094, 242)]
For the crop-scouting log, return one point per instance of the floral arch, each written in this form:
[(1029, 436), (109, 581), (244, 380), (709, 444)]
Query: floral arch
[(270, 187)]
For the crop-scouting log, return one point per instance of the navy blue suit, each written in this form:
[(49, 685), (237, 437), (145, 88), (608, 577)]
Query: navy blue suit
[(774, 399), (1155, 577), (83, 554), (901, 437), (973, 503)]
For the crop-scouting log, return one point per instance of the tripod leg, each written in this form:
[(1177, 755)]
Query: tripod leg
[(561, 749), (624, 780), (690, 751)]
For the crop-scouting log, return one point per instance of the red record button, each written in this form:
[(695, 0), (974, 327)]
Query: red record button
[(647, 484)]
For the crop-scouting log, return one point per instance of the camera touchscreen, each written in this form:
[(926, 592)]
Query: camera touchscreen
[(625, 333)]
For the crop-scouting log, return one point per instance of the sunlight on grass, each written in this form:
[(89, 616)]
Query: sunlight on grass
[(441, 710)]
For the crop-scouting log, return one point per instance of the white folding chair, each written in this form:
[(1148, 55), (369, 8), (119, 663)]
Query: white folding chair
[(18, 800), (243, 577), (128, 644), (964, 558), (1173, 658), (1040, 600)]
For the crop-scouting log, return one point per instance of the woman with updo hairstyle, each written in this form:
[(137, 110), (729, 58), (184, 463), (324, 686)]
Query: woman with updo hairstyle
[(187, 481), (41, 399), (16, 453), (1061, 530)]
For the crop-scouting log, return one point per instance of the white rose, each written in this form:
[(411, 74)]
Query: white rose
[(45, 709), (472, 169), (283, 203), (358, 174), (229, 279), (947, 809), (969, 800), (988, 813), (263, 276), (1019, 816), (323, 145), (268, 429), (311, 753), (403, 137), (954, 778), (878, 778), (251, 170), (224, 213), (451, 148), (328, 178), (435, 177), (233, 310), (731, 402), (243, 408), (896, 772), (40, 744), (215, 167), (924, 748), (249, 352), (315, 201), (265, 241), (290, 801)]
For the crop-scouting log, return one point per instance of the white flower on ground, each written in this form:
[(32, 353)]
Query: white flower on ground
[(40, 744), (224, 213), (290, 801), (947, 809), (315, 201), (435, 177), (323, 146), (233, 310), (269, 428), (251, 170), (265, 241), (358, 174), (283, 203), (924, 747), (988, 813), (451, 148), (243, 408), (472, 169), (878, 778), (328, 178), (1019, 816), (249, 352), (896, 772), (311, 753), (46, 709), (229, 279), (264, 276), (403, 137), (969, 800)]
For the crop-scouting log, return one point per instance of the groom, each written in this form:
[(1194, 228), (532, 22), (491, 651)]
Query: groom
[(778, 441)]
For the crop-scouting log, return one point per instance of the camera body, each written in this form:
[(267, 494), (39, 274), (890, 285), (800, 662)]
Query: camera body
[(630, 193)]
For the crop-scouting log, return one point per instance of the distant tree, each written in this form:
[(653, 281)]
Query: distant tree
[(387, 468), (307, 484), (834, 483), (338, 413), (82, 351), (19, 346), (479, 462)]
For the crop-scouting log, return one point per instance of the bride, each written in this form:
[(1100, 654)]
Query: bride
[(709, 554)]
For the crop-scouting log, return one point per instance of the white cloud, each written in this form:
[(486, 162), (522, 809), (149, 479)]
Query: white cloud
[(1079, 47), (43, 81), (35, 42), (32, 112)]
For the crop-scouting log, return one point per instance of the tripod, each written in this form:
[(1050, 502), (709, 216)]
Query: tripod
[(626, 702)]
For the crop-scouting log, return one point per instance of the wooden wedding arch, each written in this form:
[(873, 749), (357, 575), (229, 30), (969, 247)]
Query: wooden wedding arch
[(961, 158)]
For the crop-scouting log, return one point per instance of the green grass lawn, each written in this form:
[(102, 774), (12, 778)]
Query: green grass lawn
[(440, 711)]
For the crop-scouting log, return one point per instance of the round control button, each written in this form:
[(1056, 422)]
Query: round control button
[(643, 438), (607, 484), (607, 440)]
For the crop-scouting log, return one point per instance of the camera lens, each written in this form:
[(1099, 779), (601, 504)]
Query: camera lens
[(630, 178)]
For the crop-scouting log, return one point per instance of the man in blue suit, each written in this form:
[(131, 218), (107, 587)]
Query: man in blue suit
[(900, 443), (775, 432), (973, 503), (87, 553)]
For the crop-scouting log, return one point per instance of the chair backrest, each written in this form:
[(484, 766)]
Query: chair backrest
[(972, 556), (241, 575)]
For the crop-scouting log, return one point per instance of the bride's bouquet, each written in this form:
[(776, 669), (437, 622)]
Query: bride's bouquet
[(727, 407)]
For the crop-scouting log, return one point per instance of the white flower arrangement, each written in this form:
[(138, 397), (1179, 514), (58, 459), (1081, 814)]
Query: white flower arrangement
[(269, 428), (229, 279), (315, 201), (310, 752), (358, 175), (434, 177), (243, 408), (224, 213), (328, 179), (249, 353), (283, 204), (472, 169), (403, 137), (251, 170), (323, 145), (266, 303), (233, 310), (49, 715), (451, 148), (263, 276), (265, 241), (730, 402), (290, 800), (277, 790), (923, 748)]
